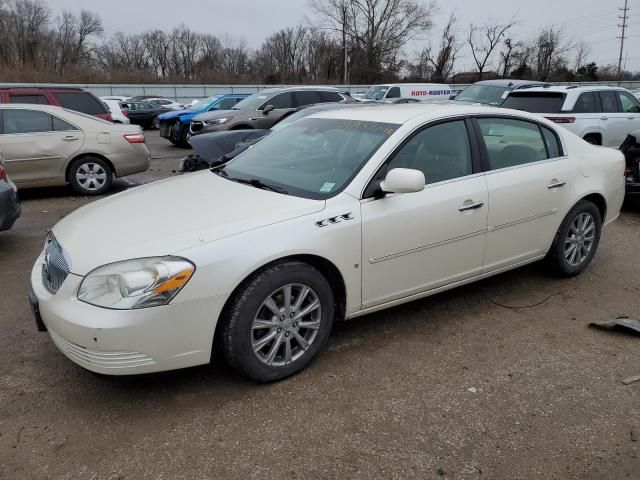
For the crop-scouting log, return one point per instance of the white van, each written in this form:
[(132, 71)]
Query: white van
[(421, 91)]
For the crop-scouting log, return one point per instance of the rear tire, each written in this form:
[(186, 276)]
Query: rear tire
[(593, 139), (90, 176), (279, 321), (576, 241)]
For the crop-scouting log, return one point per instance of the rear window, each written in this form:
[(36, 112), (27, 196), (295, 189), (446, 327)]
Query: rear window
[(81, 102), (329, 97), (535, 102)]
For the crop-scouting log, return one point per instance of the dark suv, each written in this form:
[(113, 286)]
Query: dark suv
[(264, 109), (70, 98)]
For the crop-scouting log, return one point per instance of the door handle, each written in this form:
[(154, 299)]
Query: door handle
[(604, 118), (70, 138), (470, 206), (553, 185), (632, 118)]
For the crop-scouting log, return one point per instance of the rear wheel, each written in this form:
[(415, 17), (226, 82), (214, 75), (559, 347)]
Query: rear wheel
[(90, 176), (155, 124), (593, 139), (278, 323), (577, 240)]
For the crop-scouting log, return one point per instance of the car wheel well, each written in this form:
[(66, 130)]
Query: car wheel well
[(97, 155), (324, 266), (597, 138), (599, 201), (242, 126)]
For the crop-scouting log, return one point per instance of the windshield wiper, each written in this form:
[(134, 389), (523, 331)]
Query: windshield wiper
[(254, 182)]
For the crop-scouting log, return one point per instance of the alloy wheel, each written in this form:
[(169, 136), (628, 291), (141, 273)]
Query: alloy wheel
[(91, 176), (286, 324), (580, 239)]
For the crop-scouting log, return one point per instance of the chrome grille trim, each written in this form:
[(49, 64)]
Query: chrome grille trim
[(92, 358), (55, 265)]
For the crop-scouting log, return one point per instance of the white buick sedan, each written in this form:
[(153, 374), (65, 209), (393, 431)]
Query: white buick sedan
[(338, 215)]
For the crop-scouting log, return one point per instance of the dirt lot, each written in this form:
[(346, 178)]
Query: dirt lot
[(454, 386)]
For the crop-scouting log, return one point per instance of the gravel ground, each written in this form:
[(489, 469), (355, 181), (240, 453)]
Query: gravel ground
[(453, 386)]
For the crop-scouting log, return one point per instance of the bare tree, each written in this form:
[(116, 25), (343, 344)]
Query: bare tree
[(583, 50), (437, 65), (549, 52), (484, 39)]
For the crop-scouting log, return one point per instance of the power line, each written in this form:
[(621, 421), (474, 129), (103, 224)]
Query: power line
[(624, 19)]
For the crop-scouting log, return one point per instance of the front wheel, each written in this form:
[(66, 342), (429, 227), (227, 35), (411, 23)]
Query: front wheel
[(278, 323), (155, 124), (90, 176), (577, 240)]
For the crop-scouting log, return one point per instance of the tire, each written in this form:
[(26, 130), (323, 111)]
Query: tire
[(90, 176), (155, 123), (265, 347), (593, 139), (185, 135), (574, 246)]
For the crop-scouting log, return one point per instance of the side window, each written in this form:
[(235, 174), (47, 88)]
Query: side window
[(330, 97), (441, 152), (307, 97), (609, 102), (60, 125), (280, 101), (37, 99), (80, 102), (394, 92), (226, 103), (26, 121), (586, 103), (512, 142), (629, 103), (552, 143)]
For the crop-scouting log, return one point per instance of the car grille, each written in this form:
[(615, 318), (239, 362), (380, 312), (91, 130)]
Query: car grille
[(55, 265), (92, 358)]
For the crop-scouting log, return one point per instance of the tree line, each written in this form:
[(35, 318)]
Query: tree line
[(354, 41)]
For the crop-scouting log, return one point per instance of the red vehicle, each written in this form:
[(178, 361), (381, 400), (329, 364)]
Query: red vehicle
[(66, 97)]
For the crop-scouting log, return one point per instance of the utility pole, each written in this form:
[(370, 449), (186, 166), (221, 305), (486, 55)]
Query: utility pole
[(624, 19), (344, 12)]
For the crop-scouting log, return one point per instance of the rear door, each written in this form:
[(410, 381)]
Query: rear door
[(37, 145), (529, 180), (613, 122)]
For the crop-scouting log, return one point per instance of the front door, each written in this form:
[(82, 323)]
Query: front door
[(37, 145), (529, 181), (416, 242)]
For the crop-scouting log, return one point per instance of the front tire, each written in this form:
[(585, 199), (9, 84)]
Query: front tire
[(185, 137), (577, 240), (90, 176), (278, 322)]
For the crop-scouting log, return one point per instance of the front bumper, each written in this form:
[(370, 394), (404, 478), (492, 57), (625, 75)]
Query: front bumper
[(10, 207), (126, 342)]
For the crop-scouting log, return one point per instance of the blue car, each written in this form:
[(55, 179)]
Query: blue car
[(174, 126)]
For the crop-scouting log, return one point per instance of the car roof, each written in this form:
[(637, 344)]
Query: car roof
[(571, 88), (506, 82), (299, 88), (34, 106), (402, 113)]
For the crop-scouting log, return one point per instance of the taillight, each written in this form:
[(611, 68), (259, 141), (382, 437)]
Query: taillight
[(3, 172), (562, 119), (124, 112), (109, 117), (134, 137)]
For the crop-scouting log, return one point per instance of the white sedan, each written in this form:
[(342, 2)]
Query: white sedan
[(338, 215)]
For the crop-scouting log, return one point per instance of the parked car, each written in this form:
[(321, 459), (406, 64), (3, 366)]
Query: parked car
[(165, 103), (636, 92), (377, 93), (145, 114), (266, 108), (142, 98), (67, 97), (45, 145), (601, 115), (328, 219), (174, 126), (118, 115), (9, 201), (631, 150), (212, 148), (117, 98), (402, 100), (494, 92)]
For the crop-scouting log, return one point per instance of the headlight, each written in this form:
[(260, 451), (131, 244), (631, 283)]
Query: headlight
[(140, 283), (217, 121)]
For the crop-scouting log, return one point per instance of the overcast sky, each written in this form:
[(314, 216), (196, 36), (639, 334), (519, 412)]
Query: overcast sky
[(594, 21)]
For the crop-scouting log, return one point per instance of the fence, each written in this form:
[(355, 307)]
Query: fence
[(187, 93)]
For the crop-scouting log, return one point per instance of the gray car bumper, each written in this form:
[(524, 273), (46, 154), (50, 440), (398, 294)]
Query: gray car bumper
[(9, 205)]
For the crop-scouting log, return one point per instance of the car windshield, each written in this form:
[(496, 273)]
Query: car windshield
[(204, 104), (376, 93), (313, 158), (252, 102), (485, 94)]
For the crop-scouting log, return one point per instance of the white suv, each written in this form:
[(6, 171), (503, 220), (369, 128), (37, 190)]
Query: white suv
[(601, 115)]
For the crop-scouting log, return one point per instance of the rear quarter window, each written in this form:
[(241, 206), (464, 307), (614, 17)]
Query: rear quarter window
[(534, 102), (81, 102)]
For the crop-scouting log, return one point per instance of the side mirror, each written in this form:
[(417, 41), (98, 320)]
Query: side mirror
[(403, 180), (267, 109)]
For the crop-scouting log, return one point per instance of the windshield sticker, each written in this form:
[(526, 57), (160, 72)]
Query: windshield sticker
[(504, 95), (327, 187)]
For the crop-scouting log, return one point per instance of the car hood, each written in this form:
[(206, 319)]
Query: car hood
[(220, 114), (177, 113), (169, 216)]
